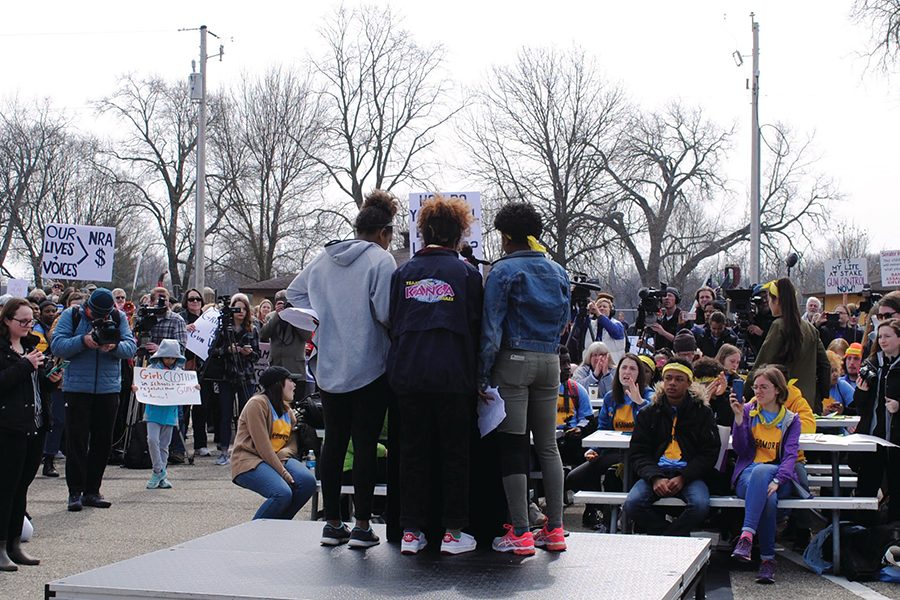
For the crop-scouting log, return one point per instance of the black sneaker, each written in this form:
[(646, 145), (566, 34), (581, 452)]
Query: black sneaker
[(95, 500), (75, 503), (363, 538), (334, 536)]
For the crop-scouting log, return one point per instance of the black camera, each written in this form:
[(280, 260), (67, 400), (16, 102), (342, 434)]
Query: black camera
[(105, 331), (832, 319), (225, 308), (649, 306), (869, 299), (868, 373), (148, 316), (581, 290)]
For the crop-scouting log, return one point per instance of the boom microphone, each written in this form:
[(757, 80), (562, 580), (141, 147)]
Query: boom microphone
[(466, 252)]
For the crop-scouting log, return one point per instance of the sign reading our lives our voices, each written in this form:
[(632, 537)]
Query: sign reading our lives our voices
[(166, 387)]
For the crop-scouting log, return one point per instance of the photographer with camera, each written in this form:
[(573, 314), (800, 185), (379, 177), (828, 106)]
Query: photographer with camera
[(232, 354), (95, 338), (714, 334), (837, 326), (761, 321), (157, 322), (877, 401), (669, 321)]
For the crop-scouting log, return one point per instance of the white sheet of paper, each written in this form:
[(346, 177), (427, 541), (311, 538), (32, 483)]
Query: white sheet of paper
[(870, 438), (200, 339), (302, 318), (163, 387), (490, 412)]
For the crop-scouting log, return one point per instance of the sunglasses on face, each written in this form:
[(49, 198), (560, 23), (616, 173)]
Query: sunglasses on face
[(195, 299), (887, 315), (120, 297)]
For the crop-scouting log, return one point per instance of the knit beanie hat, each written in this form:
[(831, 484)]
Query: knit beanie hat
[(684, 342), (101, 302), (855, 349)]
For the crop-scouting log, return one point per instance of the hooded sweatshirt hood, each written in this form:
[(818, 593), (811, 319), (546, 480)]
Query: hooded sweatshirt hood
[(345, 253)]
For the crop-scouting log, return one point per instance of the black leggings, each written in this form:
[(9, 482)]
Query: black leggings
[(20, 456), (359, 415)]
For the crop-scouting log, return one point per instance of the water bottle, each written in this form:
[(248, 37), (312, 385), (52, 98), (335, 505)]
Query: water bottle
[(311, 461)]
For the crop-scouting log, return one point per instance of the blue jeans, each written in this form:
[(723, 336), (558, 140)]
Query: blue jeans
[(639, 507), (283, 500), (760, 509)]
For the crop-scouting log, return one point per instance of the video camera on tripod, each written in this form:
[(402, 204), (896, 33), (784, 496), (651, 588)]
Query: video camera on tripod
[(581, 291), (147, 318), (223, 363), (649, 306)]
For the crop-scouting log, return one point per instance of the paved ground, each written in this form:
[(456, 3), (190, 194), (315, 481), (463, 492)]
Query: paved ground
[(204, 500)]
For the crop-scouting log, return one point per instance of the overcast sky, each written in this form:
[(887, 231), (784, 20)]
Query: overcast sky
[(812, 75)]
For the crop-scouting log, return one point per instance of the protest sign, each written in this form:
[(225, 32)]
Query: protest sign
[(263, 363), (890, 268), (200, 339), (17, 288), (82, 252), (166, 387), (473, 199), (845, 275)]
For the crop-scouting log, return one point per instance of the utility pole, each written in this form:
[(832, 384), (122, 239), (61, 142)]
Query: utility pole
[(200, 216), (754, 158)]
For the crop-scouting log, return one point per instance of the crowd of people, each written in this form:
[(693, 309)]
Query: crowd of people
[(417, 351)]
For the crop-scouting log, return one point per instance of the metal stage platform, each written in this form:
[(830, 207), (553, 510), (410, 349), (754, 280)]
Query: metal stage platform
[(278, 560)]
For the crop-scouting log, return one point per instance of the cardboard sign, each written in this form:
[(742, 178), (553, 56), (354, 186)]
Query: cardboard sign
[(474, 239), (846, 275), (78, 252), (165, 387), (890, 268), (17, 288), (200, 339), (263, 363)]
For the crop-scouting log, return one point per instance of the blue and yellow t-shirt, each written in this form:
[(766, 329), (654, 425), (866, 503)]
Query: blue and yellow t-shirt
[(281, 429), (766, 434)]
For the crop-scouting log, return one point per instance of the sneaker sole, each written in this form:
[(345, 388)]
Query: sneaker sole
[(764, 581), (453, 550), (75, 508), (552, 546), (362, 543), (516, 551), (327, 541), (741, 558), (411, 551)]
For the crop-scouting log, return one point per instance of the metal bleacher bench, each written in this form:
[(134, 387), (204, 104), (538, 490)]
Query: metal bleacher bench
[(825, 503)]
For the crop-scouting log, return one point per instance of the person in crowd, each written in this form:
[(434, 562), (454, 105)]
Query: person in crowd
[(669, 322), (674, 447), (24, 421), (877, 401), (660, 358), (238, 351), (287, 344), (435, 316), (602, 327), (56, 291), (595, 372), (703, 298), (761, 321), (794, 343), (91, 385), (887, 308), (265, 447), (729, 356), (710, 374), (854, 311), (813, 314), (36, 296), (56, 418), (573, 411), (842, 329), (120, 298), (263, 309), (47, 311), (348, 285), (192, 309), (852, 362), (714, 334), (162, 420), (684, 345), (766, 440), (839, 346), (629, 395), (840, 395), (649, 367), (526, 308)]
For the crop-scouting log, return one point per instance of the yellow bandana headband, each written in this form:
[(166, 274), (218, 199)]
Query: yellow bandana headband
[(772, 288), (535, 245), (648, 360), (680, 368)]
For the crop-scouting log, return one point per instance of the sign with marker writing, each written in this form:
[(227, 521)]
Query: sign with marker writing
[(17, 288), (474, 239), (264, 362), (846, 275), (890, 268), (201, 337), (82, 252), (166, 387)]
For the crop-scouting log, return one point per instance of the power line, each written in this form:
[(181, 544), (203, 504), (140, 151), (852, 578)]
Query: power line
[(84, 33)]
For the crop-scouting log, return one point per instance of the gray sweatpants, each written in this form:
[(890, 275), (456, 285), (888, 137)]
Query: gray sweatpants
[(529, 386), (158, 439)]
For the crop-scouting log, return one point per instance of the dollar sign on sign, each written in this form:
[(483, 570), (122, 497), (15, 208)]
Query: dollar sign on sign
[(101, 257)]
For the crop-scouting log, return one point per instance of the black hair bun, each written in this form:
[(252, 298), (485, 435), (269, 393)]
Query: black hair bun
[(381, 200)]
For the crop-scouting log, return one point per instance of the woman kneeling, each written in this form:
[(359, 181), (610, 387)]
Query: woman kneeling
[(264, 446), (766, 439)]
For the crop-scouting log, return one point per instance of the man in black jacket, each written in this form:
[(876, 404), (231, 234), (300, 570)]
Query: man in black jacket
[(674, 446)]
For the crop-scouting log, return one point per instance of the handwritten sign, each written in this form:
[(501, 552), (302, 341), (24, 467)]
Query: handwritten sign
[(845, 275), (263, 363), (166, 387), (78, 252), (17, 288), (474, 239), (890, 268), (201, 338)]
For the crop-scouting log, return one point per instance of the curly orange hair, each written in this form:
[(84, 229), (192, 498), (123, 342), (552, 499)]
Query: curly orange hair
[(444, 221)]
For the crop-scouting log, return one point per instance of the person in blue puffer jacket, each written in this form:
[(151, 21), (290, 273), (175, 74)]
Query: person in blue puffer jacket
[(91, 385)]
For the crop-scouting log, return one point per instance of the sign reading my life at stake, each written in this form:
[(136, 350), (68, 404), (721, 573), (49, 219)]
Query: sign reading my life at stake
[(166, 387)]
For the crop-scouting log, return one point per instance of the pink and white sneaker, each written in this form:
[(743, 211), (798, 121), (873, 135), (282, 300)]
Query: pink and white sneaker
[(412, 543), (457, 545)]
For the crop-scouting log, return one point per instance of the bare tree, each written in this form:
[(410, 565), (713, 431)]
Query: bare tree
[(29, 138), (155, 158), (883, 19), (534, 135), (271, 126), (384, 95)]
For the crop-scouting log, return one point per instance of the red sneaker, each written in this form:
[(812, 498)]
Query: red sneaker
[(553, 540), (521, 545)]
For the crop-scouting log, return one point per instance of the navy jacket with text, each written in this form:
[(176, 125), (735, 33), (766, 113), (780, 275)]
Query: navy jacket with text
[(435, 317)]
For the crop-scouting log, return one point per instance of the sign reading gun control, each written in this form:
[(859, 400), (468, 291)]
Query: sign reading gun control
[(165, 387), (78, 252)]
